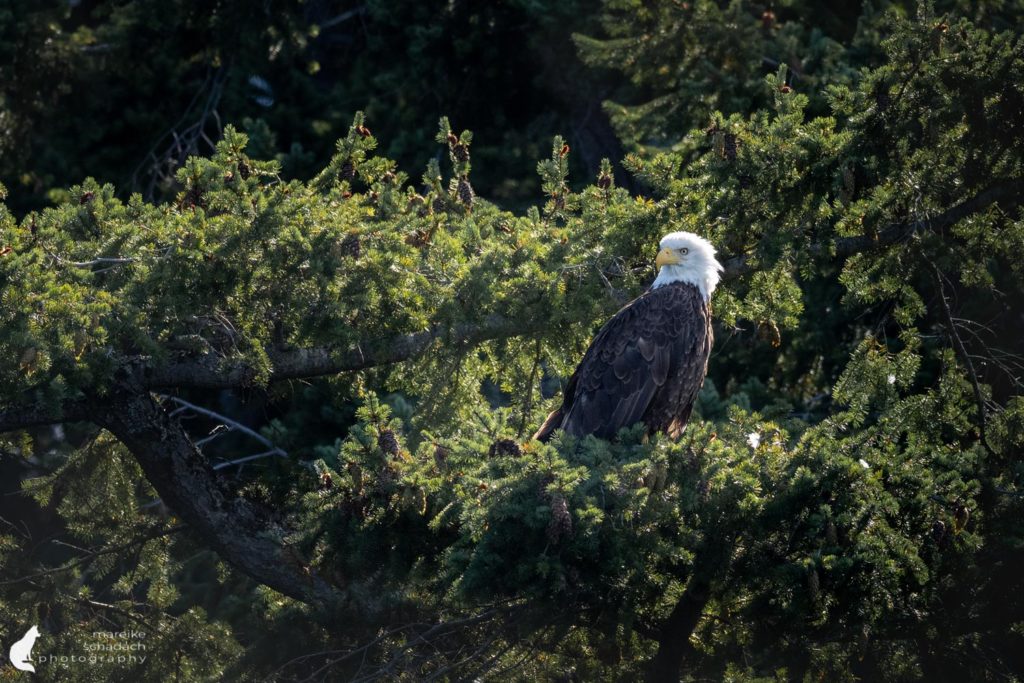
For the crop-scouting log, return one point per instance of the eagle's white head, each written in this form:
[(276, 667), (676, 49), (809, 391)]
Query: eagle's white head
[(685, 257)]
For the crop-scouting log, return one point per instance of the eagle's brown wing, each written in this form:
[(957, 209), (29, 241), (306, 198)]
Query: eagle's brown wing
[(635, 355)]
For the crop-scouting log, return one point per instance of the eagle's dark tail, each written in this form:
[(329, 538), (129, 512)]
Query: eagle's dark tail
[(553, 422)]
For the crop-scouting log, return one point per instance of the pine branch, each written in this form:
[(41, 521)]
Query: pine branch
[(208, 371), (1007, 194)]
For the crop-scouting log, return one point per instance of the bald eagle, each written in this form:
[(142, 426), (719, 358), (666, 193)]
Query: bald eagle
[(649, 361)]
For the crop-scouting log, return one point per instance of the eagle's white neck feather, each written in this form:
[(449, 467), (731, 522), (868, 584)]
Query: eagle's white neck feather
[(699, 266)]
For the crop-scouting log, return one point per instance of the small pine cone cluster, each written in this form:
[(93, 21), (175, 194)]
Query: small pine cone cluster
[(348, 171), (460, 151), (604, 181), (438, 205), (193, 197), (244, 170), (504, 447), (388, 442), (351, 246), (465, 192), (560, 525), (419, 238)]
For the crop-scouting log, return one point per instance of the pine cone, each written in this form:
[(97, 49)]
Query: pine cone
[(729, 144), (348, 171), (936, 37), (813, 584), (440, 456), (960, 518), (831, 534), (939, 532), (504, 447), (418, 239), (465, 192), (604, 181), (418, 204), (351, 246), (356, 472), (560, 525), (244, 170), (388, 442), (849, 185), (193, 198), (461, 152), (438, 205)]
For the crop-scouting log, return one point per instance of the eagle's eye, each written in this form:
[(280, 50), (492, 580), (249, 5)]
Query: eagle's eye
[(684, 251)]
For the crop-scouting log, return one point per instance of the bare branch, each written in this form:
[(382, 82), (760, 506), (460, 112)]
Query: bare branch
[(100, 260), (961, 352), (232, 425), (248, 458)]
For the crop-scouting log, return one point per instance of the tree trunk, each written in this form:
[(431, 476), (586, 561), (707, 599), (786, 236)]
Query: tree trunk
[(674, 643)]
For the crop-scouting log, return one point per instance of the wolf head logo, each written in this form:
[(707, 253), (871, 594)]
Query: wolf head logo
[(21, 651)]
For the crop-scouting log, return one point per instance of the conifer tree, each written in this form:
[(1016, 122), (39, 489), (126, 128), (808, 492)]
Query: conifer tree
[(846, 506)]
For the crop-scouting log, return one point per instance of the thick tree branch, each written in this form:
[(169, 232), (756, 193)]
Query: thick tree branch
[(674, 633), (242, 532), (34, 415), (208, 372)]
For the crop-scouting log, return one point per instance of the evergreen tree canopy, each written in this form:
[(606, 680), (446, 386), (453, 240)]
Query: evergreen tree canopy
[(282, 425)]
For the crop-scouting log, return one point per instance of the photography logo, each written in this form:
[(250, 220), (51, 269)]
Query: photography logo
[(21, 651)]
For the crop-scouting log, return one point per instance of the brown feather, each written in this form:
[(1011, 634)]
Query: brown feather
[(645, 365)]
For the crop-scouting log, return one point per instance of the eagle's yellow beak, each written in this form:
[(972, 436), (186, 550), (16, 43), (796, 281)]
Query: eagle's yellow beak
[(666, 257)]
